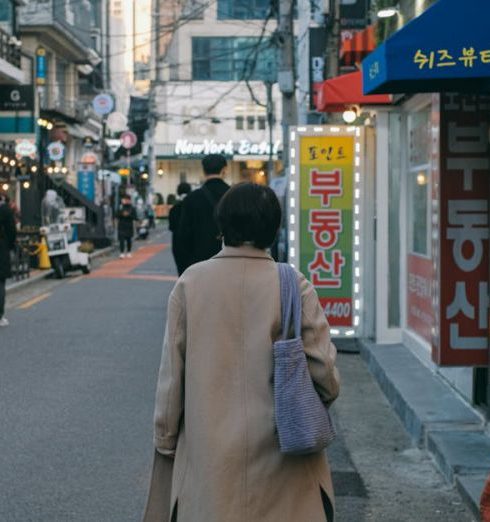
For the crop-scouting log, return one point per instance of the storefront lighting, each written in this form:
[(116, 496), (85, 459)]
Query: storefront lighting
[(34, 169), (5, 187), (56, 170), (387, 12), (292, 219), (350, 115), (160, 172), (334, 129), (12, 163), (293, 169), (50, 170), (292, 235), (64, 170), (292, 186), (26, 184), (5, 159), (145, 175), (292, 202), (40, 122), (350, 333), (334, 331), (49, 126), (421, 178), (262, 174)]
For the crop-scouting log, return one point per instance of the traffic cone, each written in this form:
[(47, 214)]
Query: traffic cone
[(485, 502), (43, 256)]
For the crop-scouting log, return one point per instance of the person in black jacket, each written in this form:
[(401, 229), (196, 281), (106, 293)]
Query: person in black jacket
[(183, 190), (125, 225), (198, 230), (7, 242)]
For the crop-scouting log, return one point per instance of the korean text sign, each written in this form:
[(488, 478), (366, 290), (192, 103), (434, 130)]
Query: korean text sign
[(326, 168), (464, 231)]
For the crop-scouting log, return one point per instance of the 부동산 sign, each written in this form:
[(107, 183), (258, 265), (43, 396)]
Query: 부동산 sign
[(326, 176)]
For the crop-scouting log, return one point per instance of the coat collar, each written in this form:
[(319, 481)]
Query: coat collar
[(243, 251)]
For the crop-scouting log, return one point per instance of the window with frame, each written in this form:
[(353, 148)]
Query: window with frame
[(232, 58), (419, 183), (243, 9)]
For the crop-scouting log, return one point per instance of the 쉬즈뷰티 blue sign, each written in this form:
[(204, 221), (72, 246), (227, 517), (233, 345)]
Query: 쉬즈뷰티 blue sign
[(446, 48)]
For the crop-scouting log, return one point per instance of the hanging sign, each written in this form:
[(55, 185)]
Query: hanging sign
[(128, 139), (324, 169), (25, 149), (103, 104), (56, 151), (41, 66), (464, 231), (117, 122)]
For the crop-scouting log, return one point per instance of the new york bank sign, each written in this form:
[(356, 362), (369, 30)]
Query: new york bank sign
[(228, 148)]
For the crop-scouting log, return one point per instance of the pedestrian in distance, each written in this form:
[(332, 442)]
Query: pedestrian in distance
[(126, 217), (215, 405), (7, 243), (183, 190), (198, 231)]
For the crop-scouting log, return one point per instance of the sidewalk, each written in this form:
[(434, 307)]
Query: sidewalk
[(38, 275), (435, 416)]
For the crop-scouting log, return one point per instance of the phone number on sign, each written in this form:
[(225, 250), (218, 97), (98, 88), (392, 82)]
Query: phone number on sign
[(338, 311)]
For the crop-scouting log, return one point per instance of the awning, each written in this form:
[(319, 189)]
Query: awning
[(446, 48), (343, 91), (355, 49)]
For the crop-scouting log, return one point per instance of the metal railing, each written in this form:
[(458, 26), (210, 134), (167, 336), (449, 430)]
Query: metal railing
[(9, 49)]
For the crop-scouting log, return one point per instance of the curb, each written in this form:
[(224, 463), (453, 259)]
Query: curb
[(435, 416)]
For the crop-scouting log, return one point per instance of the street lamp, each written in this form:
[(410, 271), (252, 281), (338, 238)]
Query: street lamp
[(388, 12), (350, 115)]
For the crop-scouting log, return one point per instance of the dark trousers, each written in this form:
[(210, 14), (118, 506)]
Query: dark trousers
[(2, 297), (125, 241)]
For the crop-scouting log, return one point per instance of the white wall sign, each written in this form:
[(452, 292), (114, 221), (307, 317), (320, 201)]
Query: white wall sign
[(229, 148)]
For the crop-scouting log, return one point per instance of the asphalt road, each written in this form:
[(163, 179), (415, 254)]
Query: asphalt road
[(78, 369)]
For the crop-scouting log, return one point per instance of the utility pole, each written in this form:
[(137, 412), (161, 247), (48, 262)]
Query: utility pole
[(286, 74), (270, 124)]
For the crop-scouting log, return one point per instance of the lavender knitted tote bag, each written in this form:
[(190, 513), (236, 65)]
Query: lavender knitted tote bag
[(303, 422)]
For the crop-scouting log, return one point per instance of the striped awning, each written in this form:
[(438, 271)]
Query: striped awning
[(355, 49)]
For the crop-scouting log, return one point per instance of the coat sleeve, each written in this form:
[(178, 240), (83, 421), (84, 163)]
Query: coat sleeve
[(169, 404), (320, 351)]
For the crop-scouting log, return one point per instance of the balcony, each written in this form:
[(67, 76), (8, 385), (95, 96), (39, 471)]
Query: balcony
[(69, 110), (64, 26), (10, 59)]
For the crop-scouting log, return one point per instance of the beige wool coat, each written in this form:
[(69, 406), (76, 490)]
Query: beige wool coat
[(215, 406)]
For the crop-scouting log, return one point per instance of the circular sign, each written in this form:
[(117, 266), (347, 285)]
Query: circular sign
[(89, 158), (117, 122), (56, 150), (128, 139), (103, 104), (25, 149)]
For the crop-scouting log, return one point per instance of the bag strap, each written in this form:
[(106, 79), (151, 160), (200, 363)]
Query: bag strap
[(290, 300)]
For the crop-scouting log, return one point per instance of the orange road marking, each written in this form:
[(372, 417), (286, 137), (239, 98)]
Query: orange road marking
[(33, 301)]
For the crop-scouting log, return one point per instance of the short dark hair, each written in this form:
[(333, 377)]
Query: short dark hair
[(249, 213), (183, 188), (213, 164)]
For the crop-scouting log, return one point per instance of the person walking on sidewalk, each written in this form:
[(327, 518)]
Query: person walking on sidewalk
[(215, 410), (125, 226), (7, 242), (198, 231), (183, 190)]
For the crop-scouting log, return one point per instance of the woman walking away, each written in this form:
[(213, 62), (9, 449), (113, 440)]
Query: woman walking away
[(215, 409), (7, 243), (125, 226)]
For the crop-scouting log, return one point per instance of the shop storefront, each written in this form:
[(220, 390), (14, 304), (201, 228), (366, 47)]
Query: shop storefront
[(433, 180), (247, 161)]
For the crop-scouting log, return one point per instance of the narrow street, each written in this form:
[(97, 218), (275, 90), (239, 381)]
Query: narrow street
[(78, 368)]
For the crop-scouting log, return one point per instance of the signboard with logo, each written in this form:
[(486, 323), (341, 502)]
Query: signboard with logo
[(103, 104), (354, 13), (324, 194), (464, 231), (317, 38), (86, 183), (25, 148), (128, 139), (186, 148), (16, 98), (56, 151), (41, 66)]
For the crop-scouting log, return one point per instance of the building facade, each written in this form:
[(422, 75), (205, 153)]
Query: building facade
[(210, 93)]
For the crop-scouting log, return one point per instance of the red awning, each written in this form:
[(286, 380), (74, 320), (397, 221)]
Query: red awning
[(355, 49), (341, 92)]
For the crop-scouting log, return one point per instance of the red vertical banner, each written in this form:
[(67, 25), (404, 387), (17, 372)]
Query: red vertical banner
[(420, 313), (464, 231)]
